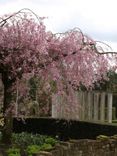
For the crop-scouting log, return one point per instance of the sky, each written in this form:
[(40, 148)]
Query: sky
[(96, 18)]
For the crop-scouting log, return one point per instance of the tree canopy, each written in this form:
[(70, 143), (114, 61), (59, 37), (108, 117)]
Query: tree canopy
[(26, 47)]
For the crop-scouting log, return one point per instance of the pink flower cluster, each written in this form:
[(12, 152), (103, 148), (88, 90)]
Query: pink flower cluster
[(26, 47)]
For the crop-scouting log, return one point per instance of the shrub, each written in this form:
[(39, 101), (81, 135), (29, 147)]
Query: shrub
[(24, 139), (46, 146), (32, 149), (50, 141), (27, 143), (13, 152)]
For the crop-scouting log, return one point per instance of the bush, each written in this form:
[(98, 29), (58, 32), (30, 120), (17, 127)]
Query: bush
[(13, 152), (32, 149), (50, 141), (24, 139), (29, 143), (46, 146)]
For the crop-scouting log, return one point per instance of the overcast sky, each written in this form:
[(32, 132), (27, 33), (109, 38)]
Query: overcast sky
[(96, 18)]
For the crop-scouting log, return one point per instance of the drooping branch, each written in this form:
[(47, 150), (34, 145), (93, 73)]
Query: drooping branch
[(27, 47), (103, 52), (69, 59), (5, 19)]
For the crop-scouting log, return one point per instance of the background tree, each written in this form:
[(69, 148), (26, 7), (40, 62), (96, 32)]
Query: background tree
[(27, 49)]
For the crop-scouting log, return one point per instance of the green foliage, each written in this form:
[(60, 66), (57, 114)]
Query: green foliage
[(33, 84), (106, 138), (114, 137), (108, 85), (53, 86), (102, 137), (50, 141), (24, 139), (30, 143), (112, 84), (13, 151), (32, 149), (46, 146)]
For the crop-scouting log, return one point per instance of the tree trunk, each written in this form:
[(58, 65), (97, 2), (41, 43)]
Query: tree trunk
[(7, 109)]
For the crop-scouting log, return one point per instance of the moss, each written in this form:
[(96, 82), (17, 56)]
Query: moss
[(102, 137), (114, 137)]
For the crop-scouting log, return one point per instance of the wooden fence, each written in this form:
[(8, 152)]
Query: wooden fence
[(94, 106)]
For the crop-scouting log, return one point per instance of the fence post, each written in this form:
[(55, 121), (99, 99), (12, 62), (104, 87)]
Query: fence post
[(79, 100), (109, 108), (54, 105), (102, 107), (83, 105), (89, 103), (96, 106)]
